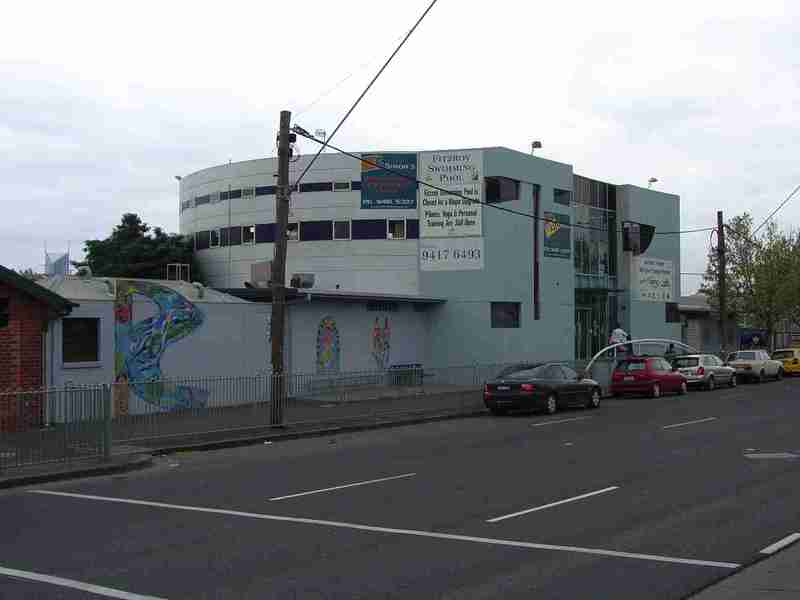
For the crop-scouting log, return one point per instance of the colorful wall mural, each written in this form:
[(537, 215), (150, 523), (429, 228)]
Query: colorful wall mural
[(140, 345), (380, 343), (328, 346)]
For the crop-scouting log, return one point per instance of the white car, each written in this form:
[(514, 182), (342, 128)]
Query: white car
[(755, 365)]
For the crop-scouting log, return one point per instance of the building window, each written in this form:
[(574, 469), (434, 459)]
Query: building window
[(203, 240), (235, 235), (315, 231), (224, 234), (355, 186), (214, 238), (672, 314), (341, 230), (249, 234), (341, 186), (202, 200), (369, 229), (80, 340), (412, 229), (501, 189), (505, 315), (214, 198), (248, 192), (265, 190), (293, 232), (234, 194), (396, 229), (563, 197), (319, 186), (265, 233), (4, 312), (377, 306)]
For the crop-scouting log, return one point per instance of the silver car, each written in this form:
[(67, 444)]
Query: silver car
[(705, 370)]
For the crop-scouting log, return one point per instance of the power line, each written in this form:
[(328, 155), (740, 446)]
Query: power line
[(302, 132), (366, 89), (780, 206)]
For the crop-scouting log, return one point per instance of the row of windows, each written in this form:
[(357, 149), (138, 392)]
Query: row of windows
[(309, 231), (269, 190)]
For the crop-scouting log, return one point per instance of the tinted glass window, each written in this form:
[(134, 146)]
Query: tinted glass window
[(203, 240), (369, 229), (235, 236), (80, 340), (683, 362), (265, 233), (316, 230), (505, 315), (341, 230), (320, 186), (412, 229), (744, 356), (569, 373), (501, 189), (539, 372), (554, 372), (783, 354), (265, 190), (630, 366)]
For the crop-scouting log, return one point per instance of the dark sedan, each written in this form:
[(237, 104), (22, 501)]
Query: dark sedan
[(543, 386)]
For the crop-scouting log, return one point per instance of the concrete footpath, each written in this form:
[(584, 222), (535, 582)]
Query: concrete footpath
[(777, 577)]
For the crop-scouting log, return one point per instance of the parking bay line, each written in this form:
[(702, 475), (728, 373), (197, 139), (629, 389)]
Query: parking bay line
[(543, 423), (75, 585), (407, 532), (341, 487), (706, 420), (780, 544), (552, 504)]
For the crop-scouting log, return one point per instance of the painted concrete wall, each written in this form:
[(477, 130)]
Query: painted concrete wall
[(385, 266), (461, 330), (358, 348), (648, 319)]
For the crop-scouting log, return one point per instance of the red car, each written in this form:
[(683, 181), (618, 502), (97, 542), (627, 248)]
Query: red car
[(651, 375)]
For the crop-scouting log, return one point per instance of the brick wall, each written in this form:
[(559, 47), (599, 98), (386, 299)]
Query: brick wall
[(21, 359)]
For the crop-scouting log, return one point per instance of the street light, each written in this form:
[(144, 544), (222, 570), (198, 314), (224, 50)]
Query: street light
[(651, 181), (535, 145)]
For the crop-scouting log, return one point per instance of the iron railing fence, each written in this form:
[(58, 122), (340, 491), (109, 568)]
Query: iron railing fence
[(54, 425), (70, 423)]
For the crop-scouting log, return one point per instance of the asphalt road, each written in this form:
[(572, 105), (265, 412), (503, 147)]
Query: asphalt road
[(663, 497)]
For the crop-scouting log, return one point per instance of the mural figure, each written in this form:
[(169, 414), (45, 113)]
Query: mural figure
[(139, 346), (328, 346), (380, 341)]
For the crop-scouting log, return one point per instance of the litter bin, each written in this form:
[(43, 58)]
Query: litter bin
[(407, 375)]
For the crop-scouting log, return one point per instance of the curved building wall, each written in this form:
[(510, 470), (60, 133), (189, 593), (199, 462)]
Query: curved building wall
[(227, 198)]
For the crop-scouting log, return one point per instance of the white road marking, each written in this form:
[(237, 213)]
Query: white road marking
[(409, 532), (543, 423), (573, 499), (341, 487), (706, 420), (75, 585), (773, 548)]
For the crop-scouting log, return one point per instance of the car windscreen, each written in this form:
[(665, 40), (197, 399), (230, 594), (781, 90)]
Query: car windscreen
[(632, 365), (515, 369), (534, 373), (744, 356), (683, 362), (783, 354)]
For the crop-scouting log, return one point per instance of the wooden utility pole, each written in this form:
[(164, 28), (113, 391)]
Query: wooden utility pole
[(282, 197), (721, 273)]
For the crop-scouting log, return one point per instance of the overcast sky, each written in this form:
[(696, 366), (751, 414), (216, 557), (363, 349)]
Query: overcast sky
[(100, 107)]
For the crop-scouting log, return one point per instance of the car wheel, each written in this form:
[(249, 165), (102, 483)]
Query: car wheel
[(552, 405), (656, 391), (497, 412), (594, 399), (779, 376), (711, 384), (734, 380), (684, 388)]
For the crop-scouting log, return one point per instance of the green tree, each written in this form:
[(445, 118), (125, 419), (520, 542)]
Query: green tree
[(133, 250), (761, 271)]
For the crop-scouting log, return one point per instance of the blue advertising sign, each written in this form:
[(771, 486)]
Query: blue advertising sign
[(382, 188)]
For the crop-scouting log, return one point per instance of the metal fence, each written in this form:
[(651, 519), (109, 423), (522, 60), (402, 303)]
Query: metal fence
[(54, 425), (67, 424)]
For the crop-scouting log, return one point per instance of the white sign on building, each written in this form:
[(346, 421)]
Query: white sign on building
[(653, 279), (451, 254), (442, 213)]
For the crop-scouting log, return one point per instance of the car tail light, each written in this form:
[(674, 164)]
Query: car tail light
[(701, 371), (486, 393), (527, 388)]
